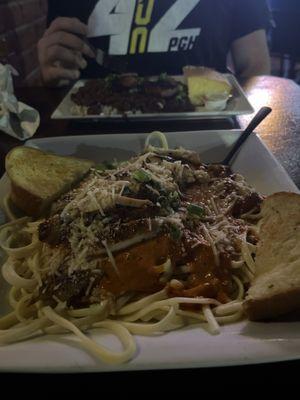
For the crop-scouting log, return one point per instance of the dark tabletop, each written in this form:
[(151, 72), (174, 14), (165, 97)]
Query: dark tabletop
[(281, 133)]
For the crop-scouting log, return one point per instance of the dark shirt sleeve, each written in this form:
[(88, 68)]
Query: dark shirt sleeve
[(250, 16), (65, 8), (55, 9)]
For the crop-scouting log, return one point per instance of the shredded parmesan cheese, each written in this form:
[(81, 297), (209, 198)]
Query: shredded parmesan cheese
[(111, 257)]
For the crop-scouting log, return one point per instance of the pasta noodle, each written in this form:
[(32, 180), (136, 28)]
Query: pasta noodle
[(68, 272)]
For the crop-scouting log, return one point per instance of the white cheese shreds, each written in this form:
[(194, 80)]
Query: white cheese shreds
[(111, 257), (148, 182)]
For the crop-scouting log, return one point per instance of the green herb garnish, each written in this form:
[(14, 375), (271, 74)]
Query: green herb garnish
[(106, 165), (109, 79), (163, 76), (100, 167), (195, 210), (174, 199), (175, 232), (180, 97), (141, 176), (173, 196)]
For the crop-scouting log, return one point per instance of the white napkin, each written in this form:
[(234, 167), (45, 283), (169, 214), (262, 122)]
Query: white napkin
[(16, 118)]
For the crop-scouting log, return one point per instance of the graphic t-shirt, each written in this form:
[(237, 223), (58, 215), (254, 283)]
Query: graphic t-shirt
[(164, 35)]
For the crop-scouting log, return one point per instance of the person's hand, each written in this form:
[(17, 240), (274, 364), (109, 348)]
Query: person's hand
[(61, 51)]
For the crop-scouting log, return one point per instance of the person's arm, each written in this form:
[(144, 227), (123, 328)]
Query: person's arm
[(250, 55)]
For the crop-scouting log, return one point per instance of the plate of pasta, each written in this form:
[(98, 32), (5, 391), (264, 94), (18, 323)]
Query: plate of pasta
[(127, 252)]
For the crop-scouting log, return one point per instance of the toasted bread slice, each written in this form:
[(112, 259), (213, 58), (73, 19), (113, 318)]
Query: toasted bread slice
[(204, 82), (38, 178), (275, 290)]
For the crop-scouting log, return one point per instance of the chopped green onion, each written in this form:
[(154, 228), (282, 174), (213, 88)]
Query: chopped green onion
[(163, 76), (106, 165), (110, 78), (175, 232), (141, 176), (174, 199), (112, 165), (195, 210), (180, 96), (100, 167), (173, 195)]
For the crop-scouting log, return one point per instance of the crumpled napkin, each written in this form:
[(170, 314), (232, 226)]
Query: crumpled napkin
[(16, 118)]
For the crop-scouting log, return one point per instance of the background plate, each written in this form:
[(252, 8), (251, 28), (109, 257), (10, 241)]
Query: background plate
[(237, 105)]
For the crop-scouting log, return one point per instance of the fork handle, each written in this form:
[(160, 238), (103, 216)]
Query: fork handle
[(257, 119)]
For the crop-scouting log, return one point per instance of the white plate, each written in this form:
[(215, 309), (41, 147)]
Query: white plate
[(237, 105), (240, 343)]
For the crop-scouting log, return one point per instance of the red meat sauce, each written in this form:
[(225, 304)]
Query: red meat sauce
[(138, 272), (138, 268)]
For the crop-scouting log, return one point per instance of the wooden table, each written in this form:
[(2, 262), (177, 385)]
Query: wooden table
[(280, 132)]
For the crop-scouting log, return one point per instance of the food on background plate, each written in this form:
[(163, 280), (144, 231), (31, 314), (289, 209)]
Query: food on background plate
[(151, 245), (129, 93), (275, 289), (133, 94), (207, 87)]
